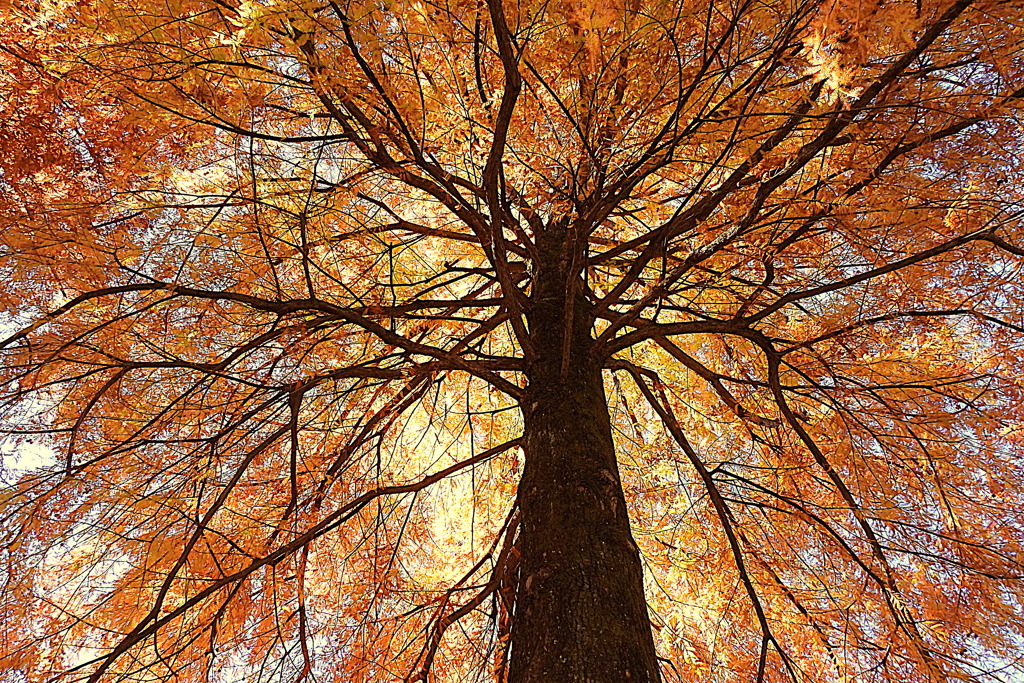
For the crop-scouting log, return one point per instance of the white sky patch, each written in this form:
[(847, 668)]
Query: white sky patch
[(20, 456), (25, 457)]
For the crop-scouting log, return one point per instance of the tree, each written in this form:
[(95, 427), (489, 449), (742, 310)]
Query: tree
[(537, 341)]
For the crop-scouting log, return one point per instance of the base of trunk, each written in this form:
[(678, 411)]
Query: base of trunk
[(580, 611)]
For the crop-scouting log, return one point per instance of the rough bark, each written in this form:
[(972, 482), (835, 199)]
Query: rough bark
[(580, 613)]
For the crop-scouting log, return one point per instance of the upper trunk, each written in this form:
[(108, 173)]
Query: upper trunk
[(580, 611)]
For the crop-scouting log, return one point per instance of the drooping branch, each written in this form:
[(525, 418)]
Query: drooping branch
[(155, 621), (668, 419)]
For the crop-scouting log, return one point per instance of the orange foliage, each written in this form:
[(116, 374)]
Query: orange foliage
[(265, 266)]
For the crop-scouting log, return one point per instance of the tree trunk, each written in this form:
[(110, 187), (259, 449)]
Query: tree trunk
[(580, 612)]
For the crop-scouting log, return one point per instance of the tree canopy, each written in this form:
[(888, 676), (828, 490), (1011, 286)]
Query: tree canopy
[(297, 294)]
